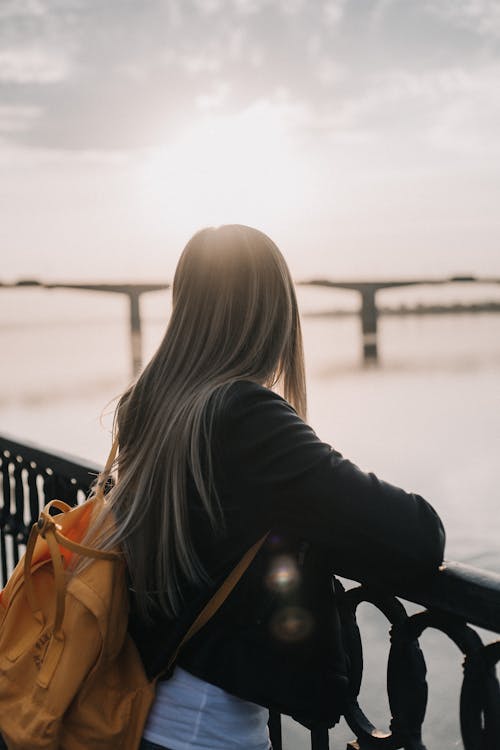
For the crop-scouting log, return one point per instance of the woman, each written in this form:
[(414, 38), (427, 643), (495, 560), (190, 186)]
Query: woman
[(212, 457)]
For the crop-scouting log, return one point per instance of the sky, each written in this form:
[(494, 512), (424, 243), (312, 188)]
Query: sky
[(362, 135)]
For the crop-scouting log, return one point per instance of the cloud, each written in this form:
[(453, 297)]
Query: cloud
[(126, 74), (333, 11), (195, 64), (215, 98), (380, 9), (40, 159), (329, 71), (33, 65), (117, 75), (468, 122), (481, 16), (208, 7), (449, 109), (292, 7), (17, 119), (20, 8), (248, 7)]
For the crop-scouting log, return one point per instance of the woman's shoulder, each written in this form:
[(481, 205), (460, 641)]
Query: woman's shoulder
[(244, 411), (243, 396), (246, 386), (244, 389)]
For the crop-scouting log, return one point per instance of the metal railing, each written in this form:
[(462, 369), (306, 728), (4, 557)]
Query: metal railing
[(456, 598), (31, 477)]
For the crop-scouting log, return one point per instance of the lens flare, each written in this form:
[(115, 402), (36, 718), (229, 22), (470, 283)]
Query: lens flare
[(292, 624), (283, 574)]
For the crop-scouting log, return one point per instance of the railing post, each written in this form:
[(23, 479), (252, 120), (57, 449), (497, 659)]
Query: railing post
[(275, 734), (320, 739)]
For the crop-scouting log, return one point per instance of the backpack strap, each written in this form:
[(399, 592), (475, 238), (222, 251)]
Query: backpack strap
[(48, 528), (218, 598)]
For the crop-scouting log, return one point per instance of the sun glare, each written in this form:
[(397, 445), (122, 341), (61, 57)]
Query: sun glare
[(225, 168)]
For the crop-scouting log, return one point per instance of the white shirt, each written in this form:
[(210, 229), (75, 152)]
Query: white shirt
[(191, 714)]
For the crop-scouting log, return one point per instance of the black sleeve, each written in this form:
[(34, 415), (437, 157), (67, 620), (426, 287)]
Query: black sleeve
[(370, 530)]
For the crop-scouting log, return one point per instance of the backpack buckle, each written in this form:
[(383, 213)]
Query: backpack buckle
[(44, 523)]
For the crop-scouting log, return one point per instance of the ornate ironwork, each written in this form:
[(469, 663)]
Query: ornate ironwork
[(406, 675), (456, 598), (31, 477)]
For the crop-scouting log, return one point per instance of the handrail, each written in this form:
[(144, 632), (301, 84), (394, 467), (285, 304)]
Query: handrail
[(65, 464), (455, 597), (463, 591)]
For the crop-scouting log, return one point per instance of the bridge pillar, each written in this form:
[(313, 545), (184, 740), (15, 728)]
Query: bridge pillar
[(135, 333), (369, 315)]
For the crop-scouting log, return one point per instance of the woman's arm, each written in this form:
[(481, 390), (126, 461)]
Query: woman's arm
[(370, 529)]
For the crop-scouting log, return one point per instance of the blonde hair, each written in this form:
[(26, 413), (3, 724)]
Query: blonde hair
[(234, 317)]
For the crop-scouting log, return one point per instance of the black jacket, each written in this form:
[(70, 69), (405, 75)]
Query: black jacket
[(273, 473)]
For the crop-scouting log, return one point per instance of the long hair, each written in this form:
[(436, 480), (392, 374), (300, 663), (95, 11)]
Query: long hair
[(234, 317)]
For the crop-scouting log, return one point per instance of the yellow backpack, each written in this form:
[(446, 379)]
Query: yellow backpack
[(71, 677)]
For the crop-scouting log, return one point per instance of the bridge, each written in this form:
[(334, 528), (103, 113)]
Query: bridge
[(367, 290), (368, 310), (132, 291)]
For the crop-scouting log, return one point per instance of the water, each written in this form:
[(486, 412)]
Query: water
[(427, 419)]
